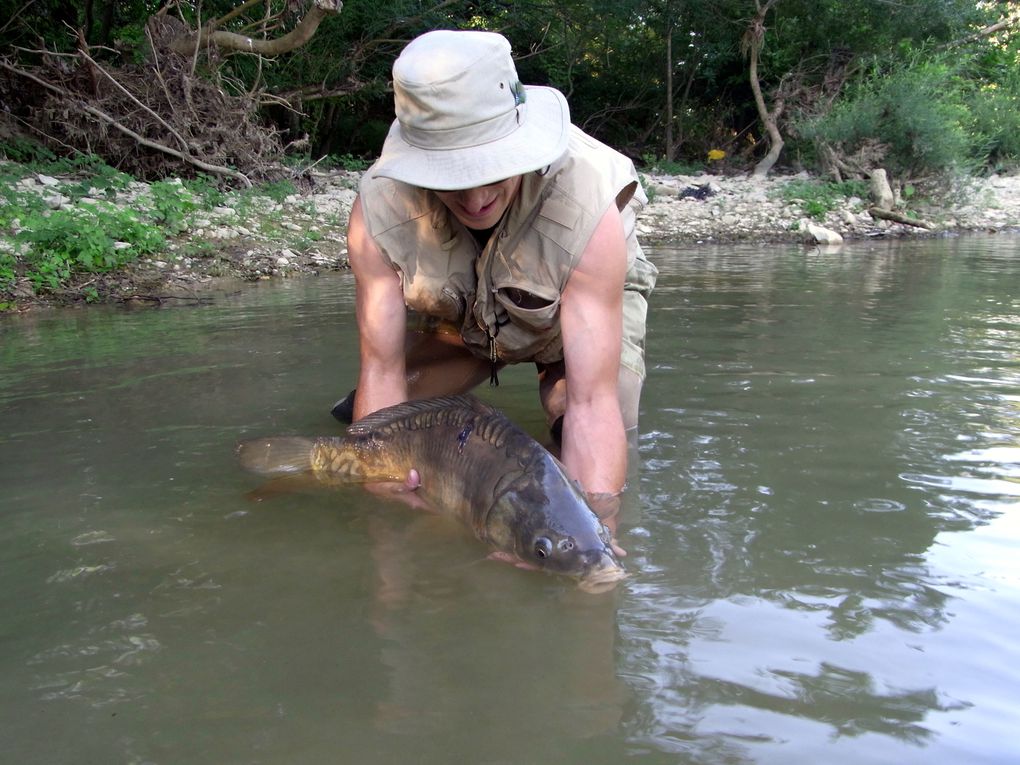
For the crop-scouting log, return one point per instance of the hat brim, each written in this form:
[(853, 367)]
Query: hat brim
[(538, 142)]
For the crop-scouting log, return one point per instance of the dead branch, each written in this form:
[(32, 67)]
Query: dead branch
[(305, 29), (1010, 20), (101, 115), (94, 66), (895, 217)]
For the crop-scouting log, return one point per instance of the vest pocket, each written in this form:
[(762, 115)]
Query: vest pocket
[(535, 311)]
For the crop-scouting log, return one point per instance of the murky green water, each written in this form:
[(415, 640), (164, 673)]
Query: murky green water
[(824, 541)]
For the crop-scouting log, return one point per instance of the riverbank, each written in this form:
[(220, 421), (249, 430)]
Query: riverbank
[(303, 233), (720, 209)]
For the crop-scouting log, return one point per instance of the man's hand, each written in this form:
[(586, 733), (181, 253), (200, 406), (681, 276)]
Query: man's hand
[(606, 505), (403, 492)]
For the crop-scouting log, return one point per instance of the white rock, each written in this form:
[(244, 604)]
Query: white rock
[(820, 234), (56, 201)]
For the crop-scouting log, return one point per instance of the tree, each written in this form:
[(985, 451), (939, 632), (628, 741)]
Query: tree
[(751, 45)]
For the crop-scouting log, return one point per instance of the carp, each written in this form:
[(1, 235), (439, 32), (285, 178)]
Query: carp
[(473, 464)]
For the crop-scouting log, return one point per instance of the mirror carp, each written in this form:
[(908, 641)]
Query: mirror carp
[(474, 464)]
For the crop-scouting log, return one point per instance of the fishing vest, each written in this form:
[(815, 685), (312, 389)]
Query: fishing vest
[(505, 296)]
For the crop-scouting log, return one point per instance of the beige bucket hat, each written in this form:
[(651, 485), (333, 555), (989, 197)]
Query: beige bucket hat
[(463, 117)]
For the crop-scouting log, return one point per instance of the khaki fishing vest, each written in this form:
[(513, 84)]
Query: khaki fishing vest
[(505, 297)]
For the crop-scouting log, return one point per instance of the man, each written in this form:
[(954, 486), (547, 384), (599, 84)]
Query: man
[(510, 235)]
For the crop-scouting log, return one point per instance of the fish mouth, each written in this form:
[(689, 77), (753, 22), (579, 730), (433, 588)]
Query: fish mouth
[(604, 577)]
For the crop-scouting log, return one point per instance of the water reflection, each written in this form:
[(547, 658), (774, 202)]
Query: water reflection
[(802, 464), (822, 538), (541, 642)]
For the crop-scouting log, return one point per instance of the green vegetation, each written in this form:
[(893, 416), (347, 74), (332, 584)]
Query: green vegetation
[(818, 198), (663, 166), (71, 232), (920, 112), (90, 239), (936, 83), (928, 91)]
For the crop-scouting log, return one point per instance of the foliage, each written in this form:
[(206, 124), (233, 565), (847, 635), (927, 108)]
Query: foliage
[(995, 103), (86, 235), (838, 65), (818, 198), (87, 239), (662, 166), (171, 205), (919, 111)]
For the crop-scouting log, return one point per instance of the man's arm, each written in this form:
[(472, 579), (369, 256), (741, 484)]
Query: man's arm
[(382, 321), (591, 316)]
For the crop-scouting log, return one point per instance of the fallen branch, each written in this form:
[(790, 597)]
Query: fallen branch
[(95, 66), (895, 217), (101, 115), (136, 297)]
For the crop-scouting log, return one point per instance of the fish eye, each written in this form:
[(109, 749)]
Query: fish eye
[(543, 547)]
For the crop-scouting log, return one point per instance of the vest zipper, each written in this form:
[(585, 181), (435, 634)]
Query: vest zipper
[(493, 359)]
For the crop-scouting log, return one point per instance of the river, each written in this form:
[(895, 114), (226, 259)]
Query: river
[(823, 536)]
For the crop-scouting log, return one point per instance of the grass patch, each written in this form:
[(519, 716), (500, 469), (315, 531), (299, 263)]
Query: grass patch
[(72, 228), (88, 239), (818, 198)]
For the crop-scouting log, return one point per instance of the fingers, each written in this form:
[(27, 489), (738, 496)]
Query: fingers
[(413, 480)]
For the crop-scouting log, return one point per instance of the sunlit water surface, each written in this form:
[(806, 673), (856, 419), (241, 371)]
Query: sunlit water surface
[(823, 536)]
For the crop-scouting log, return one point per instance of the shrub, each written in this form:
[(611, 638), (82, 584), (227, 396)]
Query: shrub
[(88, 239), (996, 119), (918, 112), (818, 198)]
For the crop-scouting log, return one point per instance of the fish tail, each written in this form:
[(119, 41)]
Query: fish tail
[(277, 456), (341, 461)]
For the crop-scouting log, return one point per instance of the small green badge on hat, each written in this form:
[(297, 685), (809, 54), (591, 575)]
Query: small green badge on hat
[(520, 96)]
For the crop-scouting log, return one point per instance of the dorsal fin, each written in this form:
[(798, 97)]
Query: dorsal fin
[(420, 408)]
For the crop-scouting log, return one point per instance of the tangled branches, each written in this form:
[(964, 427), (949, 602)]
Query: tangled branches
[(150, 119)]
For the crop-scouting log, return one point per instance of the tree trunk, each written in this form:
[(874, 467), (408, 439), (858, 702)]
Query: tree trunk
[(881, 191), (187, 45), (895, 217), (754, 39), (670, 145)]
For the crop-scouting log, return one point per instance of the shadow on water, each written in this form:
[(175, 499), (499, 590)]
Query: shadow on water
[(820, 539)]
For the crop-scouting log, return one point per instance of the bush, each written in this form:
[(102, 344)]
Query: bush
[(88, 239), (663, 166), (818, 198), (996, 119), (919, 113)]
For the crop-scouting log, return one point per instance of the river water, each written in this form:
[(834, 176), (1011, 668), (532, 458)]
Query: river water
[(823, 537)]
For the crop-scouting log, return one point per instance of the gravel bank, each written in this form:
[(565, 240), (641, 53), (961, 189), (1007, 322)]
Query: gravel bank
[(304, 233)]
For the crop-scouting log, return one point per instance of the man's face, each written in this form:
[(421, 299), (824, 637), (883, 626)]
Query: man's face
[(481, 207)]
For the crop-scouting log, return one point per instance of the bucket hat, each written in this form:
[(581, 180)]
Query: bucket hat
[(463, 117)]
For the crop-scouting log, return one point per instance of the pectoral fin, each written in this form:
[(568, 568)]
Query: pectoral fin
[(513, 560), (278, 456)]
